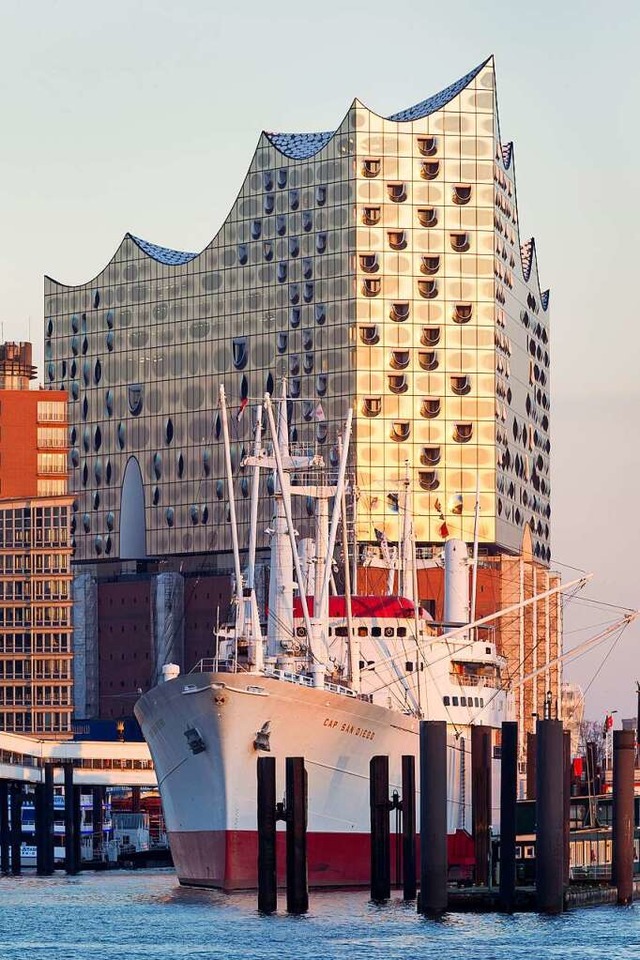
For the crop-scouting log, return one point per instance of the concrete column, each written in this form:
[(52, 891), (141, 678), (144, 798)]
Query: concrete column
[(623, 814), (550, 816)]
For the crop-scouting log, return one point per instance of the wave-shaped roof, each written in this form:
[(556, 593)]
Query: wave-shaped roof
[(301, 146), (162, 254), (425, 107)]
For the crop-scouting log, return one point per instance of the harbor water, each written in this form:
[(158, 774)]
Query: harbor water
[(146, 914)]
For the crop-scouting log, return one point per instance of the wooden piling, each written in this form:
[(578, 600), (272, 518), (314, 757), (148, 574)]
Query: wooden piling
[(566, 815), (98, 822), (433, 898), (481, 799), (267, 876), (380, 830), (70, 865), (409, 884), (531, 766), (48, 861), (5, 834), (16, 828), (550, 816), (508, 803), (623, 814), (77, 826), (296, 806)]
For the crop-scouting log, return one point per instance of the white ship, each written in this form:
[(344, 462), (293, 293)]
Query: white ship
[(337, 680)]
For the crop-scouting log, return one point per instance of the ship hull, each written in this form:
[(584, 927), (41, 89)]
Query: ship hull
[(206, 731)]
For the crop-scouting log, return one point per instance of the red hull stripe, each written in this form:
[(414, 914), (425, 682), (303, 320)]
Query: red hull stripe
[(227, 859)]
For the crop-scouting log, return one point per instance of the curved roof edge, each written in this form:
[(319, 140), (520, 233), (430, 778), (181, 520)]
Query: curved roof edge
[(529, 256), (302, 146), (162, 254), (438, 100), (507, 154)]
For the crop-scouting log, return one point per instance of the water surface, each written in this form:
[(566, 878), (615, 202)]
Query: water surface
[(140, 915)]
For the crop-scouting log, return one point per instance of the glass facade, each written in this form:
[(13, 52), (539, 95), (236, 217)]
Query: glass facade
[(380, 267)]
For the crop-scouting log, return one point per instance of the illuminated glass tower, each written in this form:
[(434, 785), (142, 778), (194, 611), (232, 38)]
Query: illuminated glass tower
[(380, 266)]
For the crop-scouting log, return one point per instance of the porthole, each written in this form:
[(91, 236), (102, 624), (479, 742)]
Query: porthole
[(428, 289), (460, 241), (400, 430), (180, 466), (462, 312), (462, 432), (369, 334), (400, 311), (397, 192), (428, 479), (429, 264), (169, 516), (429, 169), (371, 286), (461, 193), (430, 336), (397, 239), (97, 439), (121, 435), (399, 359), (168, 430), (397, 383), (428, 359), (110, 520), (240, 352), (372, 406), (371, 216), (427, 216), (430, 456), (427, 146), (157, 466), (369, 262), (461, 385), (371, 167), (430, 407)]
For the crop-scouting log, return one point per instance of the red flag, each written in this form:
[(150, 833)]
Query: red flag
[(242, 408), (444, 530)]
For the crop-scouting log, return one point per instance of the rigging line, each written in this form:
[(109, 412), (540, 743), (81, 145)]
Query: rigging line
[(603, 603), (428, 664)]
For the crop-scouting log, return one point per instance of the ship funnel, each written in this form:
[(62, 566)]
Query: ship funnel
[(170, 671), (456, 580)]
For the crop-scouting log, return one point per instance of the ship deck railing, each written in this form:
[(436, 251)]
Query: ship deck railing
[(210, 665)]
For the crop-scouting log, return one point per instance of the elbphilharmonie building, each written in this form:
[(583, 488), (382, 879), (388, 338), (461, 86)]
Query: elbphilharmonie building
[(379, 266)]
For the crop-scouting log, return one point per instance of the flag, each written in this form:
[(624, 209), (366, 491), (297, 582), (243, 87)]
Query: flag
[(319, 414), (444, 530), (455, 505), (242, 408)]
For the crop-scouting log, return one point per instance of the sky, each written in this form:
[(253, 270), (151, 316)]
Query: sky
[(142, 116)]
